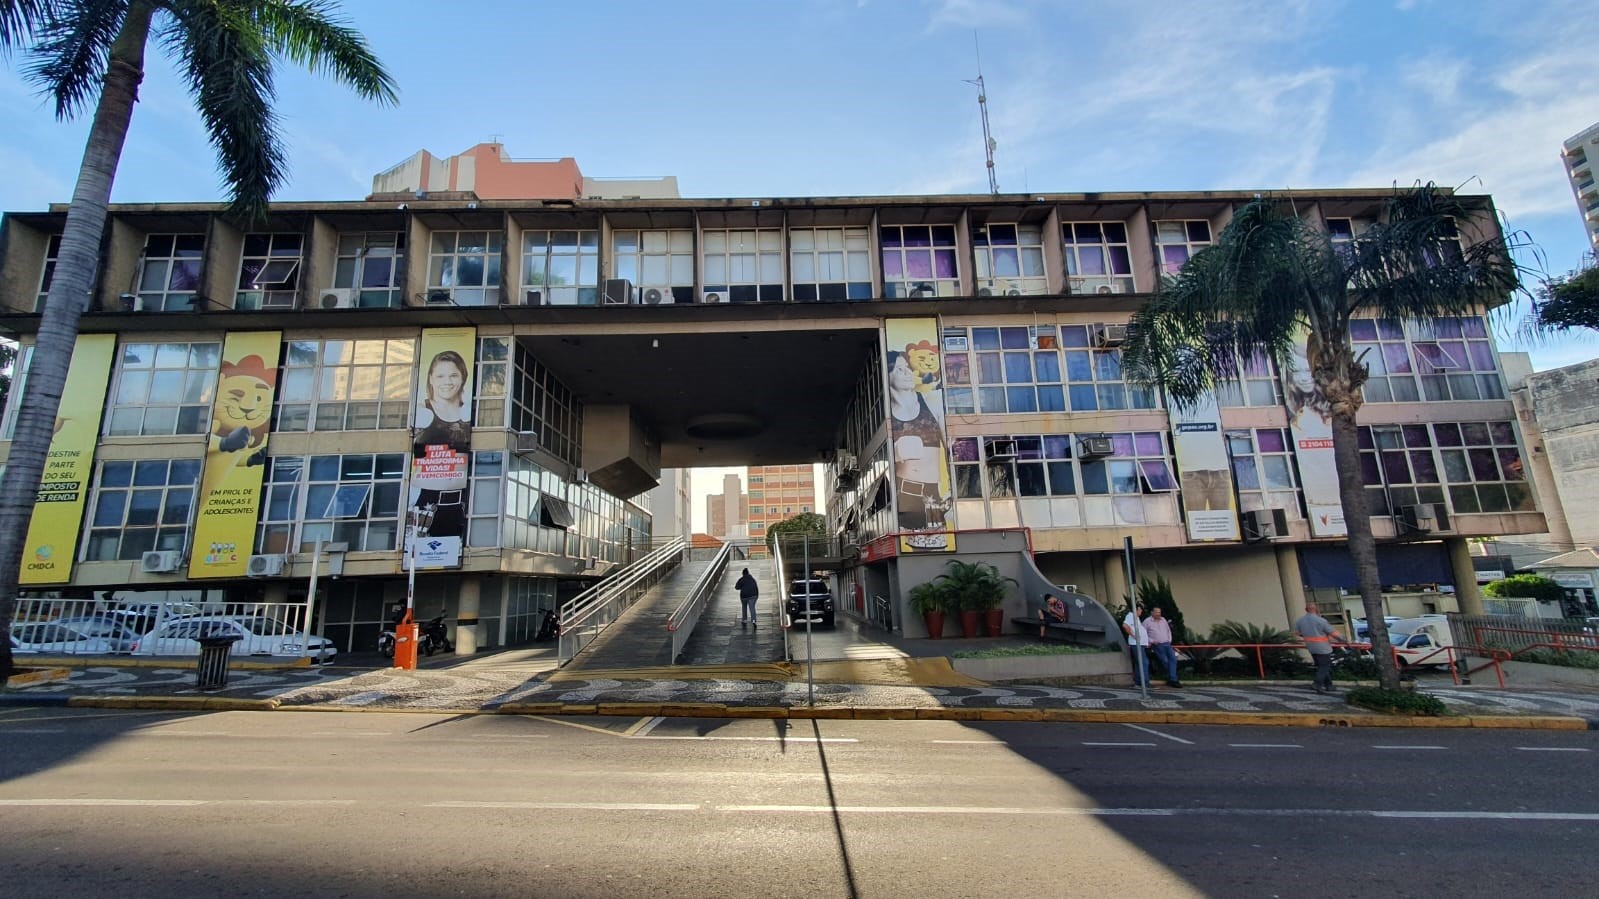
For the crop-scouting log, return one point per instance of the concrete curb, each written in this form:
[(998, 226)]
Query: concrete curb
[(35, 676)]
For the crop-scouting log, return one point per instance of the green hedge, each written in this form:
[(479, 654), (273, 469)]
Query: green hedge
[(1398, 702)]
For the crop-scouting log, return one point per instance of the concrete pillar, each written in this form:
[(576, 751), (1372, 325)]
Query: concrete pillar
[(466, 616), (1116, 588), (1466, 590), (276, 591), (1293, 582)]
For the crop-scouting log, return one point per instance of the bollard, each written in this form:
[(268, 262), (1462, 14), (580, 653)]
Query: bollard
[(405, 640), (212, 671)]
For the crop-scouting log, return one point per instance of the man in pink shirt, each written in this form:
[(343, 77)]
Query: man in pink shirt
[(1159, 629)]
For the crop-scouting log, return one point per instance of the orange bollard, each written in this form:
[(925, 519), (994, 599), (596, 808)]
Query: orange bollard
[(405, 640)]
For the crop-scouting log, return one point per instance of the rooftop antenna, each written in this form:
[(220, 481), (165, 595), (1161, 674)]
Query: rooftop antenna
[(982, 106)]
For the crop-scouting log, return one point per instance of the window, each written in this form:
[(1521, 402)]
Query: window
[(1138, 464), (919, 261), (269, 275), (1010, 259), (1042, 466), (142, 506), (744, 266), (1398, 467), (663, 260), (1094, 376), (1176, 241), (372, 264), (563, 266), (1097, 257), (1382, 341), (1483, 468), (542, 404), (1015, 369), (169, 272), (163, 388), (353, 499), (830, 264), (19, 382), (1263, 468), (1442, 359), (464, 268), (488, 482), (1344, 233), (493, 360), (1256, 385), (52, 254), (346, 385)]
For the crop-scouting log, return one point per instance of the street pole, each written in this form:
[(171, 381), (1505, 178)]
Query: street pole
[(310, 599), (810, 656), (1140, 662)]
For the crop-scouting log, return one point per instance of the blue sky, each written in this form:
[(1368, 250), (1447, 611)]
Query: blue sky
[(847, 97)]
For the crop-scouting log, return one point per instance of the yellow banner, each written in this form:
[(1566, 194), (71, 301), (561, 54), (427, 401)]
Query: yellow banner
[(235, 455), (921, 481), (63, 489)]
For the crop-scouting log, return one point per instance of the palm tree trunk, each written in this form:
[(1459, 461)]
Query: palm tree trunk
[(1362, 545), (69, 295)]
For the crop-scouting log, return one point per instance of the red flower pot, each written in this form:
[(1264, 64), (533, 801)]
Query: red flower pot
[(993, 622), (969, 624), (935, 624)]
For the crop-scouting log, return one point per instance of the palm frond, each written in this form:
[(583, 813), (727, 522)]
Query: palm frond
[(21, 20), (310, 33), (73, 48)]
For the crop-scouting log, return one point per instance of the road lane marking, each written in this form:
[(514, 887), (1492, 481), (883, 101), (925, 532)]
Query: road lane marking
[(643, 728), (971, 742), (1151, 730), (167, 803), (753, 739), (1409, 747), (1265, 745), (574, 806), (1552, 749), (349, 733), (1087, 743)]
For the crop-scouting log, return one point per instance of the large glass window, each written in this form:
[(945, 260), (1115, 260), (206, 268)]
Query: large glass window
[(1042, 466), (542, 404), (370, 270), (488, 485), (52, 254), (269, 271), (562, 267), (1177, 240), (163, 388), (493, 364), (1139, 463), (1429, 359), (169, 272), (464, 268), (1095, 381), (1483, 467), (141, 506), (1010, 260), (659, 264), (830, 264), (1097, 257), (1014, 369), (1255, 385), (919, 261), (743, 266), (346, 385), (353, 499), (1263, 468)]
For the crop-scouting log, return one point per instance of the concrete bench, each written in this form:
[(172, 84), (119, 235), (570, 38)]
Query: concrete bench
[(1069, 631)]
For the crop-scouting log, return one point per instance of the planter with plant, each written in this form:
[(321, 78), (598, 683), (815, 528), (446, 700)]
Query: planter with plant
[(929, 601), (977, 589)]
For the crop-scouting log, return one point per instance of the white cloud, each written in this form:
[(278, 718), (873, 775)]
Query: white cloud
[(976, 14)]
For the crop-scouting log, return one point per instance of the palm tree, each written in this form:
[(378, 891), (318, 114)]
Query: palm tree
[(1272, 275), (91, 52)]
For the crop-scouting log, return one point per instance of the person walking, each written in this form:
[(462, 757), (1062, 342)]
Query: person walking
[(1159, 628), (1319, 636), (748, 592), (1137, 639)]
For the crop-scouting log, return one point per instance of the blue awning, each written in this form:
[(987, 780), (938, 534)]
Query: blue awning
[(1397, 563)]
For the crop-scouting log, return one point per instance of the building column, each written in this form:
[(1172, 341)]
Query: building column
[(1467, 594), (1292, 580), (466, 616), (1116, 588)]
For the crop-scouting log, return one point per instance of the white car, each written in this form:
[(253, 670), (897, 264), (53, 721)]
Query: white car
[(257, 635), (55, 638)]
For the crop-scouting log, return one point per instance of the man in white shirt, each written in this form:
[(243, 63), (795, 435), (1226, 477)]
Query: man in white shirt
[(1137, 639)]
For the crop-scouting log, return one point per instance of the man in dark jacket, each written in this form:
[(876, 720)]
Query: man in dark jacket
[(748, 592)]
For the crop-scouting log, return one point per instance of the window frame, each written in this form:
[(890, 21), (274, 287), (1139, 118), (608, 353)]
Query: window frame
[(201, 376), (445, 258), (170, 528)]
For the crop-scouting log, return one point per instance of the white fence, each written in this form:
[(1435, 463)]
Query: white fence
[(92, 627)]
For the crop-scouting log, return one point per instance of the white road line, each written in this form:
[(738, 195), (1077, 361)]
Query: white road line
[(349, 733), (1088, 743), (575, 806), (1151, 730), (164, 803), (756, 739), (1552, 749), (1409, 747), (644, 726), (1265, 745), (970, 742), (187, 733)]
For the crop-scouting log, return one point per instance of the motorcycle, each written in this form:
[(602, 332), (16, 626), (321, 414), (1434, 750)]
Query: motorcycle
[(432, 636), (549, 627)]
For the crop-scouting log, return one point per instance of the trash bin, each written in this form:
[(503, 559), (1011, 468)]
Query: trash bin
[(215, 650)]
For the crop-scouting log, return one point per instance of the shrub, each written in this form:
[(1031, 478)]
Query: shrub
[(1284, 662), (1157, 593), (1577, 658), (1398, 702), (929, 597), (1202, 659), (1526, 585), (1039, 649)]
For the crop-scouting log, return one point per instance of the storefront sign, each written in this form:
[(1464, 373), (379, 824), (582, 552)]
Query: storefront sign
[(235, 455)]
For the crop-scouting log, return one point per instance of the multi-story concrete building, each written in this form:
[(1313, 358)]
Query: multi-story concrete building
[(668, 504), (508, 374), (1578, 153), (726, 513), (778, 493)]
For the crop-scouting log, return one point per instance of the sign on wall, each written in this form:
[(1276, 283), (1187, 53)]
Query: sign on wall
[(235, 455), (441, 449), (1310, 418), (922, 495), (63, 487), (1204, 475)]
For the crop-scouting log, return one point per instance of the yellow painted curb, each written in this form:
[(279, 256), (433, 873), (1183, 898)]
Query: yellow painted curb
[(693, 710), (38, 676), (1011, 714), (757, 711), (871, 714), (949, 714), (830, 712), (1529, 722), (175, 703)]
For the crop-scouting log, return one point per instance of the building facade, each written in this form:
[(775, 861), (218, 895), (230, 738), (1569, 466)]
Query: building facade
[(1578, 153), (511, 374), (726, 512), (778, 493)]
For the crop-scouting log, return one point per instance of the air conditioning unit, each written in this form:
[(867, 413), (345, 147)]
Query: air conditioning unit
[(160, 561), (440, 297), (714, 295), (264, 566), (999, 449), (1068, 588), (998, 287), (139, 305), (1110, 335), (336, 298), (656, 296), (527, 442), (922, 290), (1265, 524), (1095, 448), (618, 292), (582, 476), (1426, 518), (533, 297)]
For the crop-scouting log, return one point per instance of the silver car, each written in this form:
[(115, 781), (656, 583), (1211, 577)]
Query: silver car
[(257, 635)]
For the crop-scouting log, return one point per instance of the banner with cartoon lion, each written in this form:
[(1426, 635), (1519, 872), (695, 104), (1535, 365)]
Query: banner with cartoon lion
[(235, 455)]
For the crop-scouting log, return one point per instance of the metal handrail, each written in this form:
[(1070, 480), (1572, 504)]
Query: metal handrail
[(592, 611), (681, 623), (782, 596)]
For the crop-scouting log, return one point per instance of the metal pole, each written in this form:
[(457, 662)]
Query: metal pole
[(810, 656), (410, 576), (1140, 662), (310, 599)]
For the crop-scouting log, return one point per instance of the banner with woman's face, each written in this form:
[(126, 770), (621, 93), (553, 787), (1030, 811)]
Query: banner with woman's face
[(921, 481), (441, 448)]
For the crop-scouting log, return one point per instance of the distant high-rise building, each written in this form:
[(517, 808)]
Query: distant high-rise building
[(1579, 152), (669, 505), (725, 514), (778, 493)]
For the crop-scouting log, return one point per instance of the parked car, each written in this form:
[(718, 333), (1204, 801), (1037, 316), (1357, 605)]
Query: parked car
[(1362, 629), (55, 637), (810, 600), (1422, 641), (259, 635), (120, 629)]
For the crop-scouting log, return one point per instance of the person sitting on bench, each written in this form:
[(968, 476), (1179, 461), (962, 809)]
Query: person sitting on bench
[(1053, 612)]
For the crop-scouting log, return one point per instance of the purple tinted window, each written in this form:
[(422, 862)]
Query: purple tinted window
[(944, 263), (918, 264), (1014, 339), (1199, 232), (893, 267), (1390, 329), (1396, 358), (1447, 434), (1482, 356), (1029, 448), (1115, 232), (1158, 475), (985, 338), (1457, 352), (1363, 438), (1270, 440), (1257, 366), (965, 449), (1057, 446), (1090, 261), (1425, 469), (1475, 433), (890, 237), (1006, 263), (1074, 335), (1473, 327), (1368, 469), (1396, 468), (1174, 257), (1088, 232), (1503, 432), (1416, 435), (1483, 465), (1446, 327), (1122, 444), (1120, 262), (918, 236), (1341, 229), (1363, 329), (1002, 235), (943, 235), (1149, 444)]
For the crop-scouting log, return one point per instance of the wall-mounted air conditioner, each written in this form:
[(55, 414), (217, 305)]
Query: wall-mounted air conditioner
[(526, 442), (714, 295), (533, 296), (440, 297), (336, 298), (1110, 335), (999, 449), (265, 566), (1426, 518), (160, 561), (618, 292), (997, 287), (1265, 524), (582, 476), (1095, 448), (656, 296)]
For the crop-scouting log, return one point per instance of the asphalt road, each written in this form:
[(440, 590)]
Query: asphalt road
[(99, 803)]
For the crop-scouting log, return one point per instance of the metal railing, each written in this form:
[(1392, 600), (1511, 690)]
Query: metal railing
[(584, 616), (680, 624), (97, 627)]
